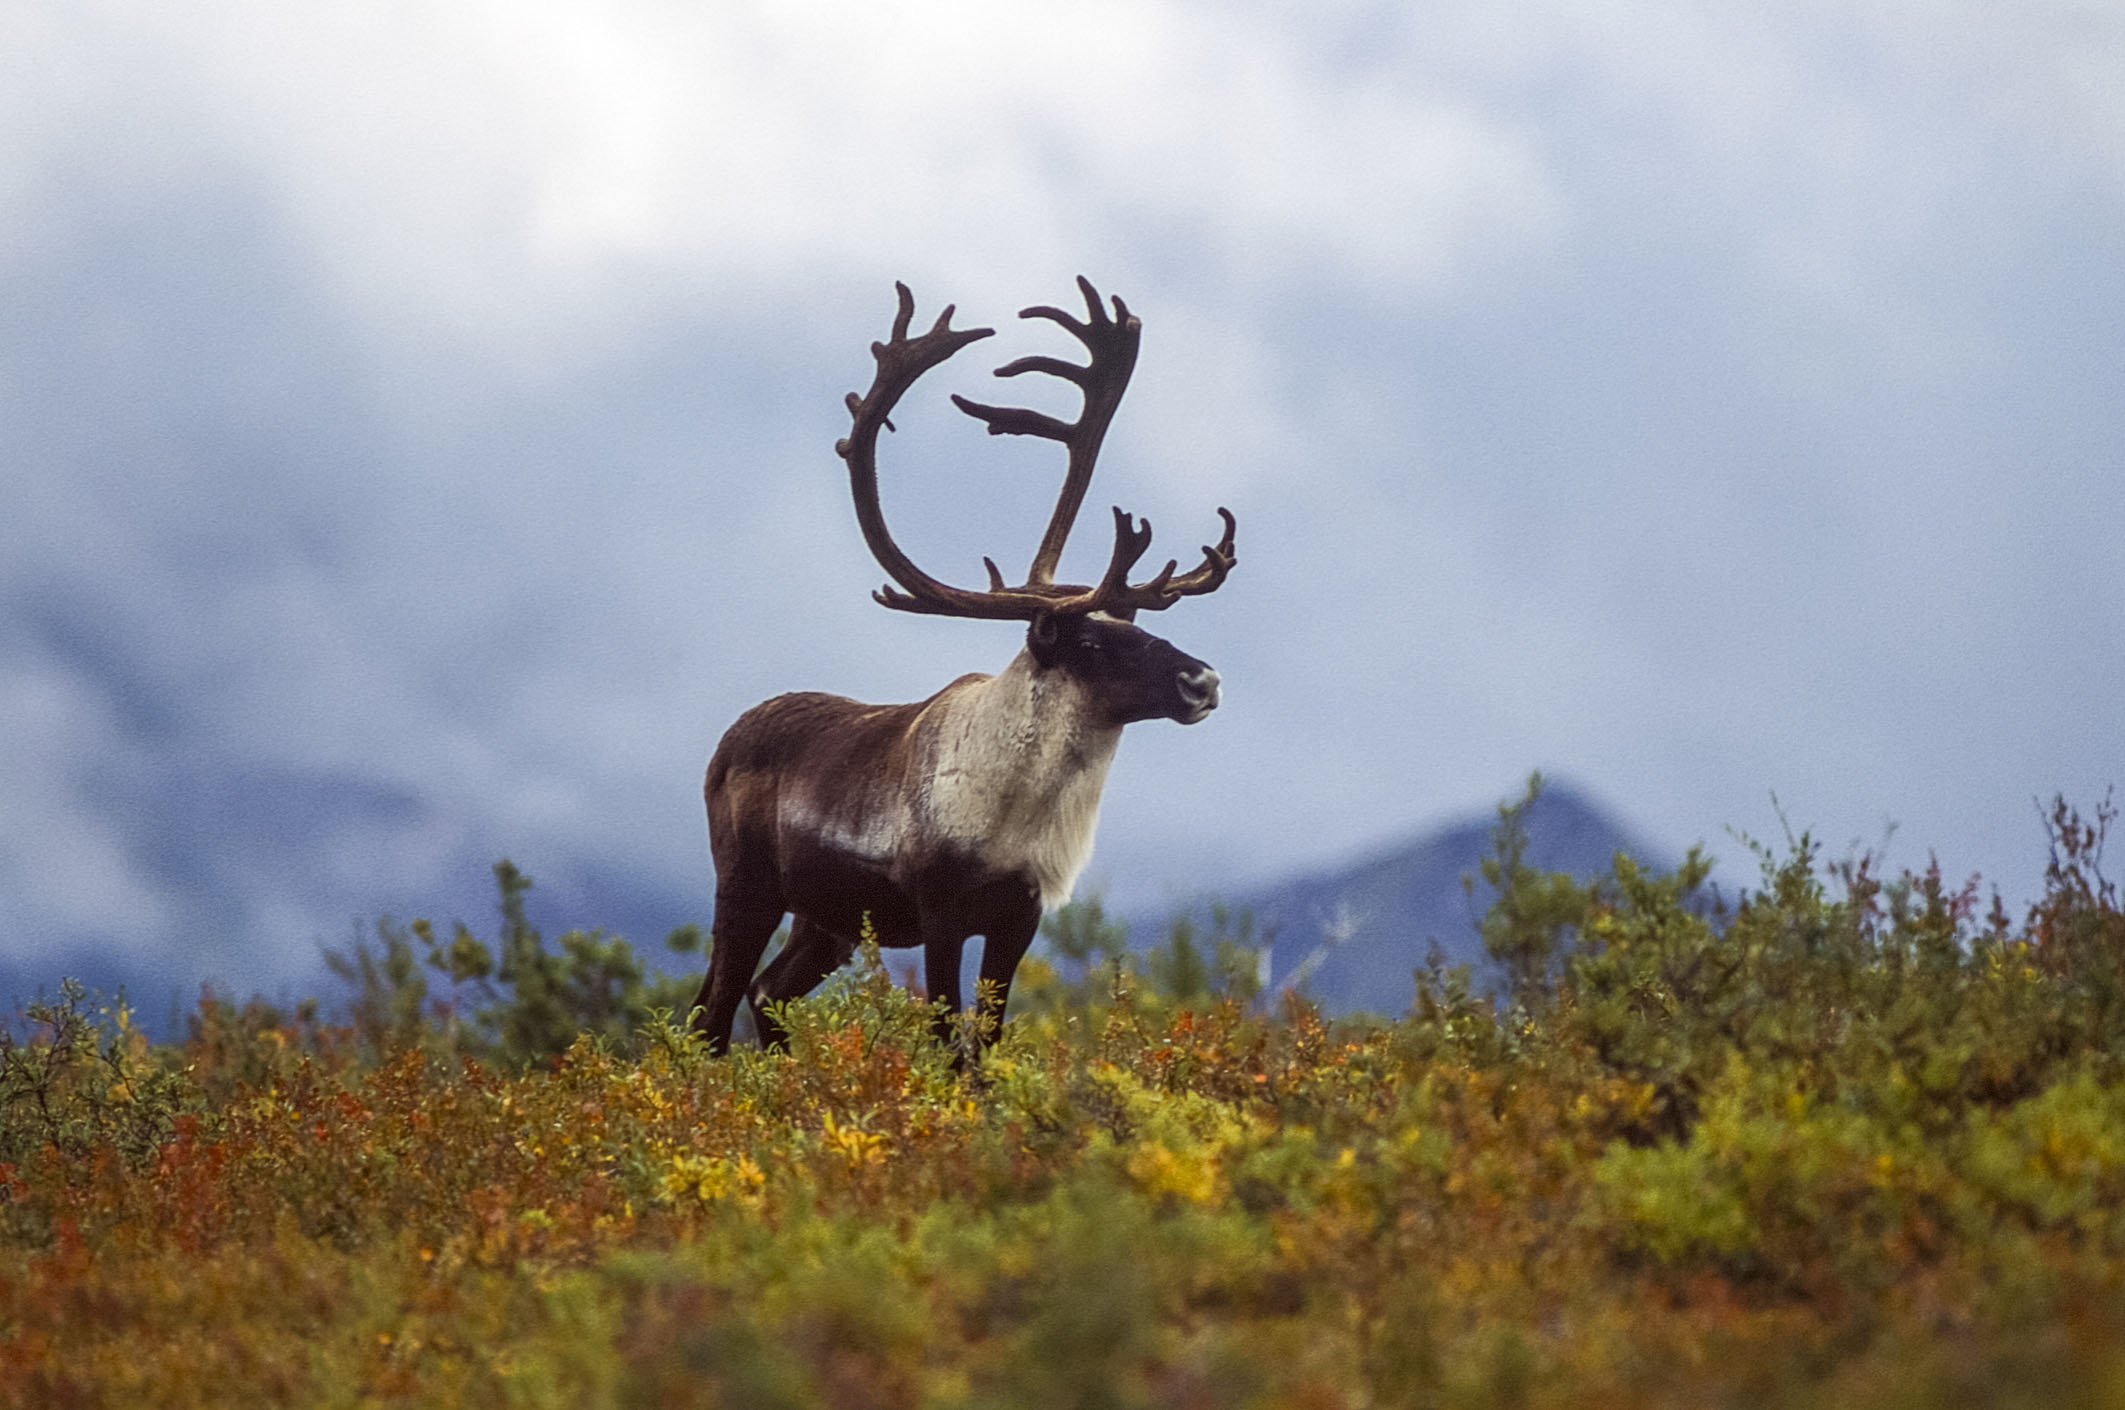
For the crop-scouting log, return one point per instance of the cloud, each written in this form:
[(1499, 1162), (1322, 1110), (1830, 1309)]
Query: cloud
[(423, 419), (70, 870), (465, 168)]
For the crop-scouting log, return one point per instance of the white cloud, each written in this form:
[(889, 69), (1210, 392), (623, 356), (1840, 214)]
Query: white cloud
[(451, 386), (469, 166), (69, 871)]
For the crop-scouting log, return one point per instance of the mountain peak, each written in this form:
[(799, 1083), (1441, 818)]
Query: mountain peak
[(1357, 934)]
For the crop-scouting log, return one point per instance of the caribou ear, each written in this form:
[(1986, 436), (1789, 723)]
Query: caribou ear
[(1042, 636)]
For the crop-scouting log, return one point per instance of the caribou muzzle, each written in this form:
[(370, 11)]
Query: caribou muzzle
[(1198, 692)]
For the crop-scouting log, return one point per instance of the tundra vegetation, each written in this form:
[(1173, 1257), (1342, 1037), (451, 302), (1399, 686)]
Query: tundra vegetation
[(1841, 1139)]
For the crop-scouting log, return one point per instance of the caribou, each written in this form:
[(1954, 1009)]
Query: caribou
[(971, 812)]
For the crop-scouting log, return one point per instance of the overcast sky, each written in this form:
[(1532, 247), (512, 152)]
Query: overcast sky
[(417, 425)]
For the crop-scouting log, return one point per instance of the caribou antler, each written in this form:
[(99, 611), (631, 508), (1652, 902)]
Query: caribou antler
[(1111, 343)]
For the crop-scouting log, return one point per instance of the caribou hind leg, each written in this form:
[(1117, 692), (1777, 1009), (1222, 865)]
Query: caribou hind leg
[(813, 952), (738, 938)]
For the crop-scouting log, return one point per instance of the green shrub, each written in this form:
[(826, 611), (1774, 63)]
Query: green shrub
[(519, 1001)]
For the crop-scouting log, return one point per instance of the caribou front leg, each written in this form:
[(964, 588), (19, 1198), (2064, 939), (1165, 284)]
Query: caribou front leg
[(943, 946), (1005, 944)]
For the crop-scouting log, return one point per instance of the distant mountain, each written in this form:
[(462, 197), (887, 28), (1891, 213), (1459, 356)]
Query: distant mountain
[(1352, 937)]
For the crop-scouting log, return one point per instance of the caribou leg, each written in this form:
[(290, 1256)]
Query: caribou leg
[(1002, 948), (942, 948), (738, 938), (813, 952)]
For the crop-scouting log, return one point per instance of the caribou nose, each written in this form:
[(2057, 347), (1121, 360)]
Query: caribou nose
[(1198, 690)]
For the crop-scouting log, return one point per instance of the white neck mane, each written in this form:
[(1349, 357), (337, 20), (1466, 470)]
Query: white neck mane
[(1017, 763)]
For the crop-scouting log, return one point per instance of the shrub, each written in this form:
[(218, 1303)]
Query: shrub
[(1845, 1142)]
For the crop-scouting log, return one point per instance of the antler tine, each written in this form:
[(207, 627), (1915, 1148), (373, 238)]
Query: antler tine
[(1115, 595), (1111, 345), (1131, 538), (1217, 561)]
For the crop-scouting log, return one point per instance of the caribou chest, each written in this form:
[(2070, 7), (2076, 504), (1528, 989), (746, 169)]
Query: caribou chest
[(1016, 766)]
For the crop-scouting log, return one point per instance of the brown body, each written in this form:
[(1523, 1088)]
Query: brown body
[(967, 813)]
